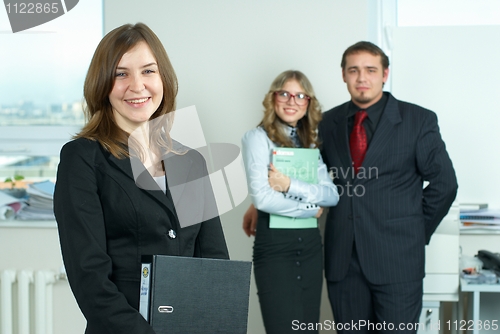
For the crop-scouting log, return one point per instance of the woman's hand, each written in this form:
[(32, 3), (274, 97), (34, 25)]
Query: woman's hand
[(278, 182)]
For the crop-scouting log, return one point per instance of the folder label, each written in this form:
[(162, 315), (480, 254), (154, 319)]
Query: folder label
[(144, 297)]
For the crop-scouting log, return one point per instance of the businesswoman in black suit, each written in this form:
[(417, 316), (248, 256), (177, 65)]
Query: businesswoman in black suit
[(114, 199)]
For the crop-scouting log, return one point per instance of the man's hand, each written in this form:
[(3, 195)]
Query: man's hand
[(320, 212), (250, 221), (278, 181)]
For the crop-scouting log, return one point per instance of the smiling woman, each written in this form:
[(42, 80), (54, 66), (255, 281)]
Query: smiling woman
[(108, 215), (138, 90), (288, 260), (136, 67)]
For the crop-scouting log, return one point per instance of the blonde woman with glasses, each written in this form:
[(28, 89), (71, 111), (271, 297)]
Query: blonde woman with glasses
[(288, 262)]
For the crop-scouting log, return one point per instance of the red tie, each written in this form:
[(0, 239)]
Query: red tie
[(358, 142)]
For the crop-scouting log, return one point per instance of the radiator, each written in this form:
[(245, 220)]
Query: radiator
[(26, 301)]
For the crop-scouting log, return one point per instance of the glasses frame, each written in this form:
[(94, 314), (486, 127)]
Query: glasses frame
[(307, 99)]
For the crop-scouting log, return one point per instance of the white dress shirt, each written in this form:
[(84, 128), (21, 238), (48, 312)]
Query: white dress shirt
[(302, 199)]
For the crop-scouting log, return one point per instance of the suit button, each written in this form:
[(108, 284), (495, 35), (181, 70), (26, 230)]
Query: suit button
[(299, 239), (299, 252), (172, 234), (297, 264), (299, 278)]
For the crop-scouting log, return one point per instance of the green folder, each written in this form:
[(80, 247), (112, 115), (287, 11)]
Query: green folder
[(300, 164)]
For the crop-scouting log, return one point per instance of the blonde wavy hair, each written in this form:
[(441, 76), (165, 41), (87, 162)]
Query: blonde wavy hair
[(306, 126)]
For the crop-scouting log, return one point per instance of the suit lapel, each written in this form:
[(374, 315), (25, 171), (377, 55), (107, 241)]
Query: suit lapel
[(341, 140), (136, 171), (122, 164), (383, 133), (177, 169)]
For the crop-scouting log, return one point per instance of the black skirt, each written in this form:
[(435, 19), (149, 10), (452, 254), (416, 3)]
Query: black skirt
[(288, 268)]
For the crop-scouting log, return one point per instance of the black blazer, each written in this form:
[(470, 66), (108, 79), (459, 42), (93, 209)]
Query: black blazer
[(106, 222), (384, 210)]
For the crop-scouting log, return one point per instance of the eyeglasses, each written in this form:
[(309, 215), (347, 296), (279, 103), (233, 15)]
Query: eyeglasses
[(283, 96)]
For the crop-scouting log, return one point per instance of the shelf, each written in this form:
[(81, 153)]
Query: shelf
[(28, 223), (479, 231), (471, 287)]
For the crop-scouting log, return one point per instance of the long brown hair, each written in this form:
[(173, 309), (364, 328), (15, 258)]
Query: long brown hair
[(307, 125), (100, 124)]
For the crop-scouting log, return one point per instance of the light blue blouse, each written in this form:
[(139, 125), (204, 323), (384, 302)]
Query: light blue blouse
[(302, 199)]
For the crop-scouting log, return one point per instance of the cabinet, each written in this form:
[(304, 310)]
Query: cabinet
[(429, 318), (441, 282)]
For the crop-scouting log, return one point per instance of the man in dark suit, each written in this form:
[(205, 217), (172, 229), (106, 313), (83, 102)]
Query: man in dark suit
[(380, 150)]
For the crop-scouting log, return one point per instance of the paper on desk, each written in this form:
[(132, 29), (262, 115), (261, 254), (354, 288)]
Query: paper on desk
[(7, 213), (40, 202), (485, 212), (486, 219), (9, 205), (473, 207), (43, 189), (471, 224), (481, 215)]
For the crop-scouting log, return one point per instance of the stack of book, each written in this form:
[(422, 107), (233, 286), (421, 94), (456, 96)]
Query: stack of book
[(479, 217), (40, 202), (9, 206)]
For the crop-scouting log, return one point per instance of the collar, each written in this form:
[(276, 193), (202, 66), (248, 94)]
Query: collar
[(374, 111), (290, 131)]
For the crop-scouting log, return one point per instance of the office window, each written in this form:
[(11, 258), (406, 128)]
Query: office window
[(447, 12), (43, 68), (386, 16), (41, 91)]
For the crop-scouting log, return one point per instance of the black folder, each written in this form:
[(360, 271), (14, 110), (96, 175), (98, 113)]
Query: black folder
[(195, 295)]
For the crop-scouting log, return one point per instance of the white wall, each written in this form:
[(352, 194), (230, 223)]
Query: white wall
[(226, 54), (452, 70)]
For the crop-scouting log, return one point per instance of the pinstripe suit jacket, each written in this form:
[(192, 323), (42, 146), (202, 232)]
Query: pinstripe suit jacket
[(384, 209)]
